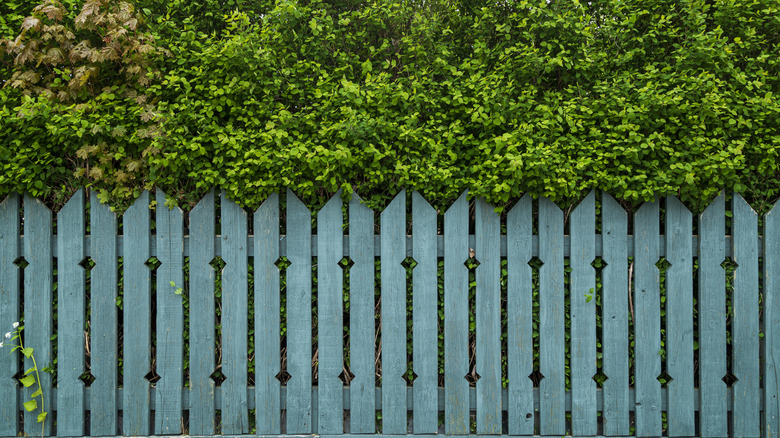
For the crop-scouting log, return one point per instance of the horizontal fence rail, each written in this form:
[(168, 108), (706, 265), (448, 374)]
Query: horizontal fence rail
[(219, 321)]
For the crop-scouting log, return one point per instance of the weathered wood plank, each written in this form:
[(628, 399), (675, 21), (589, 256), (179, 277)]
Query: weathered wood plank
[(647, 325), (744, 332), (615, 316), (202, 337), (771, 351), (38, 294), (713, 414), (267, 323), (456, 318), (362, 415), (681, 419), (393, 279), (330, 316), (488, 318), (137, 318), (71, 302), (552, 348), (520, 346), (235, 413), (299, 339), (424, 316), (170, 318), (583, 317), (9, 310)]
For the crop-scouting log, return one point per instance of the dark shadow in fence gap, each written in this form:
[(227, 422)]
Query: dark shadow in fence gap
[(663, 378), (378, 325), (598, 265), (631, 337), (314, 332), (695, 277), (504, 321), (250, 315), (120, 272), (185, 296), (346, 264), (218, 264), (153, 263)]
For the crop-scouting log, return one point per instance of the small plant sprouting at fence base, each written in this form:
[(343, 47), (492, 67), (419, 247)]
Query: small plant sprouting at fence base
[(28, 379)]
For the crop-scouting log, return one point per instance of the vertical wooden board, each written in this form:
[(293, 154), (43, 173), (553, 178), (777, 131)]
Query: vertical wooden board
[(713, 415), (393, 278), (771, 311), (424, 317), (681, 419), (744, 332), (9, 310), (362, 414), (488, 318), (103, 320), (137, 319), (552, 348), (583, 317), (330, 317), (647, 325), (71, 312), (202, 337), (456, 317), (168, 418), (615, 316), (519, 298), (299, 402), (235, 410), (38, 278), (267, 324)]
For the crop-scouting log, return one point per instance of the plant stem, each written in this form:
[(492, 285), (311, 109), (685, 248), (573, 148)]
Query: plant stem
[(38, 378)]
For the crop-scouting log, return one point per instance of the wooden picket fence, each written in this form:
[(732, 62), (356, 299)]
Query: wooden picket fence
[(136, 353)]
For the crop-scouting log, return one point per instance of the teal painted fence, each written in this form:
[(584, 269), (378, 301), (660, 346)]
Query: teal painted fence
[(585, 322)]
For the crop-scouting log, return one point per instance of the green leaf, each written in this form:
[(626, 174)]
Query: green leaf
[(27, 352), (36, 393), (31, 405), (42, 417), (27, 381)]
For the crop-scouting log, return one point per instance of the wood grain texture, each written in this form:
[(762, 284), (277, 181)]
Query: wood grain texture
[(9, 309), (771, 310)]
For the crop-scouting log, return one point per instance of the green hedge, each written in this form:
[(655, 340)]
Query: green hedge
[(636, 97)]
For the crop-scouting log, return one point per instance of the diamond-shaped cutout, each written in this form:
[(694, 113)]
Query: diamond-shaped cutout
[(535, 263), (346, 263), (152, 376), (87, 263), (20, 262), (472, 377), (662, 264), (409, 264), (600, 378), (664, 378), (217, 264), (346, 376), (153, 263), (87, 378), (282, 263), (471, 262), (729, 265), (598, 263), (283, 377), (730, 379), (217, 377), (410, 376), (536, 377)]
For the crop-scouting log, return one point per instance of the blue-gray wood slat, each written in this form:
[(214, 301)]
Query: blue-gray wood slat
[(103, 320), (299, 336), (362, 332), (614, 330), (137, 318), (235, 413), (713, 414), (267, 323), (393, 279), (71, 303), (456, 318), (330, 317), (519, 298), (488, 318), (425, 317), (744, 332), (9, 310), (202, 336), (583, 317), (38, 279), (647, 325), (168, 418), (681, 419), (552, 348), (771, 351)]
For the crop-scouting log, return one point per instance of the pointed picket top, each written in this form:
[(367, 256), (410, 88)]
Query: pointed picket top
[(458, 206), (205, 203), (586, 209), (141, 202), (395, 212), (333, 206), (607, 199), (420, 202), (716, 207), (75, 202), (293, 202), (34, 203), (161, 196), (742, 205)]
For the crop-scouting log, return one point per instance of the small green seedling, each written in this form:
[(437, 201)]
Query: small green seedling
[(31, 376)]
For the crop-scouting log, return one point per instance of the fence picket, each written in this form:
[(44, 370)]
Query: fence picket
[(745, 331), (202, 337), (713, 414), (771, 351), (9, 310), (583, 317), (299, 338), (456, 318), (267, 322), (425, 316), (71, 301)]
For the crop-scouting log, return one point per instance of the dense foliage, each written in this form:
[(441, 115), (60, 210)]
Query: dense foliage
[(637, 97)]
